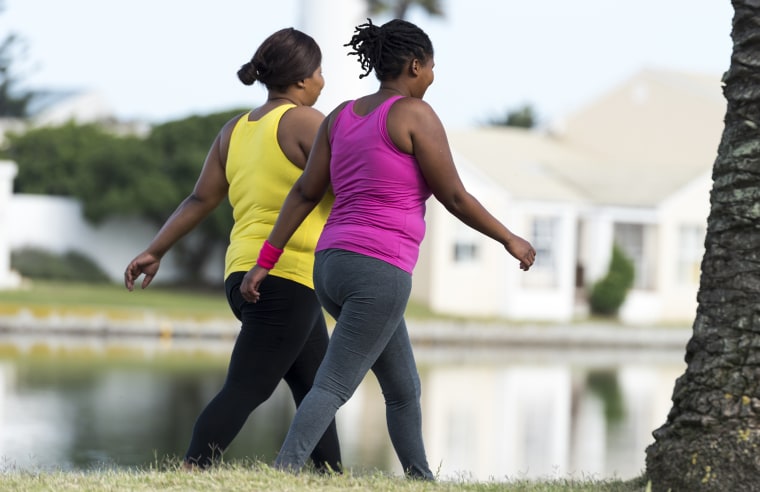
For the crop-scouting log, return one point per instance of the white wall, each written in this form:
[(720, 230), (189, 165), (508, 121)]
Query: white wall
[(523, 301), (8, 170), (493, 285), (465, 288), (57, 225), (690, 206)]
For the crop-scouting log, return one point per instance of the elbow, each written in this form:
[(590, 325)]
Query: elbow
[(455, 203), (308, 195), (201, 203)]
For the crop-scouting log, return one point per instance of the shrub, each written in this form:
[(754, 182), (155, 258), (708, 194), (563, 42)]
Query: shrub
[(608, 294), (37, 263)]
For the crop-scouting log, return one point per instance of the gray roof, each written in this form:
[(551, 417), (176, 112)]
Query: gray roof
[(520, 160), (634, 146)]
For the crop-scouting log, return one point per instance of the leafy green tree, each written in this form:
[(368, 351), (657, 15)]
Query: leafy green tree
[(399, 8), (110, 174), (182, 146), (522, 117), (116, 175), (710, 440), (13, 100)]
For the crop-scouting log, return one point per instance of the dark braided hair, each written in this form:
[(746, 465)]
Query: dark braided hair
[(284, 58), (388, 48)]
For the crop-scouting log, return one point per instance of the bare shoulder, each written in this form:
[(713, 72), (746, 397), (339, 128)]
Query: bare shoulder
[(413, 104), (299, 125), (226, 130), (334, 113), (302, 115), (413, 107)]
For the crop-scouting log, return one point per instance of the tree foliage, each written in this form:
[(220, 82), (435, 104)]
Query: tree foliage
[(711, 437), (117, 175), (109, 174), (13, 99), (399, 8), (522, 117), (182, 146)]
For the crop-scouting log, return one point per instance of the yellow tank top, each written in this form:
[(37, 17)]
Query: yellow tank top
[(260, 177)]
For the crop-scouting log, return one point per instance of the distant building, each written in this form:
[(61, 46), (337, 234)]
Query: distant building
[(49, 108), (54, 108), (632, 167)]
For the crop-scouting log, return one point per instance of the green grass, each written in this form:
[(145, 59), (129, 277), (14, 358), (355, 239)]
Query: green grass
[(254, 476), (41, 296)]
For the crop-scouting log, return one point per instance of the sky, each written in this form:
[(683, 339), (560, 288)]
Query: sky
[(159, 60)]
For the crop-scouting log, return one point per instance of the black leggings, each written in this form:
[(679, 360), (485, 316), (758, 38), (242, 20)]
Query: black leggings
[(283, 336)]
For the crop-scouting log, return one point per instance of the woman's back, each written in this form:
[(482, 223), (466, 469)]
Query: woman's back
[(260, 175), (379, 191)]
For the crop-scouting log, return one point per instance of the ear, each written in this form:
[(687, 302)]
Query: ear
[(414, 67), (301, 84)]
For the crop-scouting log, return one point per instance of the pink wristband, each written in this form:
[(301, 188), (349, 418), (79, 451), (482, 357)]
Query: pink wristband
[(268, 256)]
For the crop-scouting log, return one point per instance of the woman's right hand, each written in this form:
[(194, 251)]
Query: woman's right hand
[(144, 263), (249, 288)]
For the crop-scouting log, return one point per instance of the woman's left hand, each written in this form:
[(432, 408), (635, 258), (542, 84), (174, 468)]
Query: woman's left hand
[(249, 288)]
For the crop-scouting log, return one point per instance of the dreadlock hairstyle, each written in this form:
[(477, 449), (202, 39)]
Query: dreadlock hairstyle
[(388, 48), (284, 58)]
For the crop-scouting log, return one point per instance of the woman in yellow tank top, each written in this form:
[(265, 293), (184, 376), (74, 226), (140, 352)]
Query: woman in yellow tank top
[(254, 161)]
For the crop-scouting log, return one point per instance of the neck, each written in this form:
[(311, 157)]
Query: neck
[(282, 98), (392, 89)]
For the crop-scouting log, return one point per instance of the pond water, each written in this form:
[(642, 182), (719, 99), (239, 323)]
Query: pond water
[(492, 413)]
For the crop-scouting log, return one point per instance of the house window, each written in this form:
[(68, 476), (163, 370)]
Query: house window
[(465, 252), (691, 239), (544, 236), (637, 242), (465, 244)]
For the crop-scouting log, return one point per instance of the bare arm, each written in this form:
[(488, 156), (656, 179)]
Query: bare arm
[(416, 129), (210, 189)]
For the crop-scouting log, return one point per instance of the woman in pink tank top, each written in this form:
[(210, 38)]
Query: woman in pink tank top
[(383, 155)]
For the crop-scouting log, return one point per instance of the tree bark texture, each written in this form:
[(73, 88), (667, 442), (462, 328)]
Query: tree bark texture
[(711, 439)]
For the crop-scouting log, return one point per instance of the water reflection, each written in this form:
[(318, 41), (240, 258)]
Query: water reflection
[(85, 403)]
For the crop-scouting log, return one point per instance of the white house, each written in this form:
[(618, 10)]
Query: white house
[(632, 168)]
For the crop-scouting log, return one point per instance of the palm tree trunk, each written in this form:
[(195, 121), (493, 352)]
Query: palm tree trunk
[(711, 439)]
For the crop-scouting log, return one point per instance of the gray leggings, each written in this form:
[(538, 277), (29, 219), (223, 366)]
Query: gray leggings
[(368, 298)]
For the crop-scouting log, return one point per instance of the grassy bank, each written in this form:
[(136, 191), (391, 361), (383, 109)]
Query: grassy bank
[(77, 298), (45, 297), (259, 477)]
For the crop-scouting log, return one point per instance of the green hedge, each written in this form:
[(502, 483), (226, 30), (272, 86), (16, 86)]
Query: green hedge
[(37, 263)]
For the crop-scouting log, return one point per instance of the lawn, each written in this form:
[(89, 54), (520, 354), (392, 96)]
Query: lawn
[(259, 477), (43, 297)]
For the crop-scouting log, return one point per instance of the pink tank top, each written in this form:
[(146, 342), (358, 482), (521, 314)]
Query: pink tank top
[(380, 193)]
